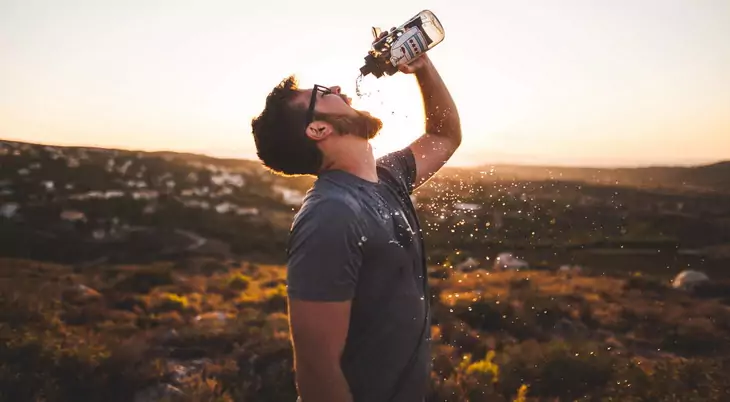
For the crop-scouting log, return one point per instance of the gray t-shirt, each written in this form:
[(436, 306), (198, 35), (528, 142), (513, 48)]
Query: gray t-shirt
[(357, 240)]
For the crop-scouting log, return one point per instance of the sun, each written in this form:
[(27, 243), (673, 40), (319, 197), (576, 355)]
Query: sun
[(396, 100), (401, 110)]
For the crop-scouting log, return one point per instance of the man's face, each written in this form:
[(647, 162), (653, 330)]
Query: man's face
[(335, 109)]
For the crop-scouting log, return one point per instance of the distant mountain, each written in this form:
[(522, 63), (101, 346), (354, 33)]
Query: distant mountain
[(710, 178)]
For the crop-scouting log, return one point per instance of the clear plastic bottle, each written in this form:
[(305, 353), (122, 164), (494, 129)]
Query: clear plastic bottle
[(402, 44)]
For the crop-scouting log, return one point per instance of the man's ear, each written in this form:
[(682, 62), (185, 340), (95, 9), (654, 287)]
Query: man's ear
[(319, 130)]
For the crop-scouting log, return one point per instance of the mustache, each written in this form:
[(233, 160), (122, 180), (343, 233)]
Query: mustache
[(345, 99)]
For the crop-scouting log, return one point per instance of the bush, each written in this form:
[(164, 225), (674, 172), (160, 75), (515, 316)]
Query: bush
[(692, 340), (556, 369), (59, 365), (239, 281), (645, 284), (145, 279), (276, 299), (171, 302)]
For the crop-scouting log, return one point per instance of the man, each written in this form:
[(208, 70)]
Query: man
[(357, 281)]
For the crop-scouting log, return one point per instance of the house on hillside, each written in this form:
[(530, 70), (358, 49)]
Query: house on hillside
[(73, 216), (145, 194), (48, 185), (466, 207), (225, 178), (507, 261), (9, 210), (468, 265), (289, 196)]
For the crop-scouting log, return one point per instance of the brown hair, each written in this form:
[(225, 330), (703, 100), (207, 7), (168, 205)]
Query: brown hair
[(279, 133)]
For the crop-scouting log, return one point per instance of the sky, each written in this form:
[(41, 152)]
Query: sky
[(567, 82)]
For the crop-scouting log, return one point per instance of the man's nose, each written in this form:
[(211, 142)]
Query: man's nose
[(336, 90)]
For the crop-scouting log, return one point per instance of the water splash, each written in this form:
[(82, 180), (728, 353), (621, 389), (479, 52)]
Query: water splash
[(358, 86)]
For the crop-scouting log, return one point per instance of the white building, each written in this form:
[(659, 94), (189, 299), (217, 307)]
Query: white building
[(506, 261)]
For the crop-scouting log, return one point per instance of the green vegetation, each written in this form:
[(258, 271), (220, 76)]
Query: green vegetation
[(177, 329)]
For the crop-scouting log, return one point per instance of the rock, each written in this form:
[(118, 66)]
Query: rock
[(79, 294), (689, 279), (159, 392), (212, 317), (182, 370)]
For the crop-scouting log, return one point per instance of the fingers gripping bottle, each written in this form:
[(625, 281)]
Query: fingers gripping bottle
[(403, 44)]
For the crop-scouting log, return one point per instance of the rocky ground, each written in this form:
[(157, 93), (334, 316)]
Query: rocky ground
[(216, 330)]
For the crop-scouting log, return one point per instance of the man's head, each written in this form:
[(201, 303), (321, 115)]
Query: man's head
[(301, 128)]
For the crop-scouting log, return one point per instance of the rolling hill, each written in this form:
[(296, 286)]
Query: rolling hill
[(709, 178)]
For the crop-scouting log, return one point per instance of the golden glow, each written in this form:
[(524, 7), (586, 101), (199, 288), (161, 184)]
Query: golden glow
[(566, 81)]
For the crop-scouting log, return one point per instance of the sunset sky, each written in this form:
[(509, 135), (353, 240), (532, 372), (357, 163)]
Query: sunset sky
[(572, 82)]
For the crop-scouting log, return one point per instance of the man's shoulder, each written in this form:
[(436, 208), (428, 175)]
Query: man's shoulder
[(398, 168), (394, 160), (328, 204)]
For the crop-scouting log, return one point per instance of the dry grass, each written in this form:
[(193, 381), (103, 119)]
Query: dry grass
[(496, 337)]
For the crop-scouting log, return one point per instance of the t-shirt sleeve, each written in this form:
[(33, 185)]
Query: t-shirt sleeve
[(324, 253), (402, 164)]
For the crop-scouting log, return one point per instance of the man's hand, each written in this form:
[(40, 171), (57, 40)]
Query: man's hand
[(414, 66)]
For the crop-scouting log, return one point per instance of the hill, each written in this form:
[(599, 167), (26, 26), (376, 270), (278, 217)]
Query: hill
[(141, 276), (76, 204), (91, 205), (709, 178)]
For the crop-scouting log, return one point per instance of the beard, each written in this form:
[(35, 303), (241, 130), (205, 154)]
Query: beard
[(362, 124)]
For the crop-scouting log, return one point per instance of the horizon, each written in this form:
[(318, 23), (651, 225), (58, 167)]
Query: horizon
[(573, 84), (253, 158)]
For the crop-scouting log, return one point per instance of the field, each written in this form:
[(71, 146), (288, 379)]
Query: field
[(207, 330), (145, 277)]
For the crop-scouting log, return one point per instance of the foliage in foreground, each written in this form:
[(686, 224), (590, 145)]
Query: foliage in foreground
[(208, 330)]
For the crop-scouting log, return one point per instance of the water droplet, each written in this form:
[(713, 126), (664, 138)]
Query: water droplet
[(358, 84), (364, 239)]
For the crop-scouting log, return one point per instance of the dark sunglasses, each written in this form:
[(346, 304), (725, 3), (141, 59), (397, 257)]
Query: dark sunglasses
[(317, 89)]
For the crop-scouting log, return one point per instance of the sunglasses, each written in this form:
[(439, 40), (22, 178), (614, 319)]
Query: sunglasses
[(317, 89)]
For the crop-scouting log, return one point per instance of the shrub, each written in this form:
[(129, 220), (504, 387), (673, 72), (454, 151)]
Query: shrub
[(556, 369), (276, 299), (54, 367), (171, 302), (239, 281), (145, 279), (644, 284)]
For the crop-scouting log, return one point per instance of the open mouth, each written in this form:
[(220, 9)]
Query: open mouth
[(346, 99)]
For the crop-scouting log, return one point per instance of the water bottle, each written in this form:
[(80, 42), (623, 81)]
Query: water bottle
[(402, 44)]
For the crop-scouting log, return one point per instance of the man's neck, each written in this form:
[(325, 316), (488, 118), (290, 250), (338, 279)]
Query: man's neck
[(356, 160)]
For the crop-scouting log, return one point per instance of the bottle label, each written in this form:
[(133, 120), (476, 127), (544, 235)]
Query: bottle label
[(407, 47)]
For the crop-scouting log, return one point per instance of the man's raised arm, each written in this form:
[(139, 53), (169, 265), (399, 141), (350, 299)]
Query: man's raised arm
[(443, 125)]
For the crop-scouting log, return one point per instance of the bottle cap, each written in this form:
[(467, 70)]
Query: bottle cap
[(371, 67)]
